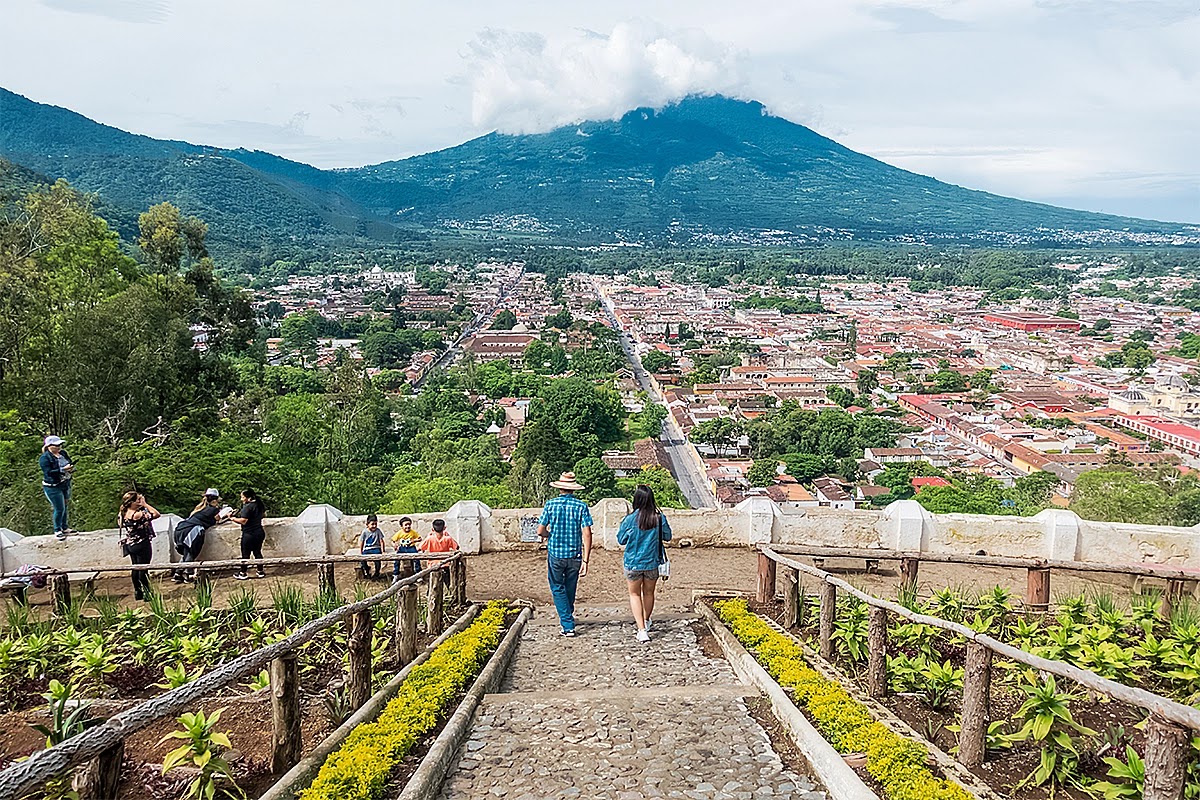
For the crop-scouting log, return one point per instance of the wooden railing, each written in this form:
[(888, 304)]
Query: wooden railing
[(1168, 729), (102, 747), (1038, 570), (59, 580)]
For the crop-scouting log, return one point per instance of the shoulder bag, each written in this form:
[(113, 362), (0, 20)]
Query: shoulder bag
[(664, 564)]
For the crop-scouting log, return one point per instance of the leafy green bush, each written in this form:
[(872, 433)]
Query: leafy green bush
[(897, 763), (360, 768)]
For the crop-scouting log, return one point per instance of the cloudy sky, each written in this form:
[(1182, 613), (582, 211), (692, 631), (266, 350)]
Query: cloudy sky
[(1088, 103)]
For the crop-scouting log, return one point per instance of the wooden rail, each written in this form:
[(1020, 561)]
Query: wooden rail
[(59, 580), (1038, 570), (1167, 732), (102, 747)]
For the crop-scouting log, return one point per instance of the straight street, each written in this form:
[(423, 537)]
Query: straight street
[(692, 481)]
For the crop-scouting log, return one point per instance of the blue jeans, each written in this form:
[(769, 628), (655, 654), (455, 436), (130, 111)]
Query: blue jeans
[(58, 497), (563, 574), (416, 563)]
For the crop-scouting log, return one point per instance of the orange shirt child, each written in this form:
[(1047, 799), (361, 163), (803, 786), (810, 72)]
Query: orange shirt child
[(438, 540)]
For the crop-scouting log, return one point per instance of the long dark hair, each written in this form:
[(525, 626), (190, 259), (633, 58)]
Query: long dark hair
[(253, 497), (646, 508)]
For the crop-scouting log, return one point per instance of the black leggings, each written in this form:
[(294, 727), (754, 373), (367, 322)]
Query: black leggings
[(141, 554), (252, 546)]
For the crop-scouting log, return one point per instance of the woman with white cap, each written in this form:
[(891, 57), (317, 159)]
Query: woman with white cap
[(189, 534), (56, 482)]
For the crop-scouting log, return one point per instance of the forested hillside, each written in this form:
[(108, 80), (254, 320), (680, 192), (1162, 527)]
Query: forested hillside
[(707, 170)]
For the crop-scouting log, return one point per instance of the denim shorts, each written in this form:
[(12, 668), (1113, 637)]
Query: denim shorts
[(641, 574)]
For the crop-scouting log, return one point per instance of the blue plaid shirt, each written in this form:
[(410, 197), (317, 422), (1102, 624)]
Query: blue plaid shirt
[(565, 517)]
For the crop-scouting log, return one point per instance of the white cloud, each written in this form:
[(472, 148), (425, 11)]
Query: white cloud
[(526, 83)]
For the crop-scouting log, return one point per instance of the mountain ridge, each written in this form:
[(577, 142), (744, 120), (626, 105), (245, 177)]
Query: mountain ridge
[(702, 169)]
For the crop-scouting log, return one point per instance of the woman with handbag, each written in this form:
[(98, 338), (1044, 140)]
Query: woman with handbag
[(136, 522), (642, 534)]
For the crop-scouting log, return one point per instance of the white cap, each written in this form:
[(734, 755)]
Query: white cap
[(211, 493), (52, 440)]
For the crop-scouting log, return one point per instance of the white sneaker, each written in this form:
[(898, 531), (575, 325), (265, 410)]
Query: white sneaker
[(647, 624), (642, 636)]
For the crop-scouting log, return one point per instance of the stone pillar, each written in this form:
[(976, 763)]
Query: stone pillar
[(606, 516), (759, 513), (163, 545), (319, 531), (465, 520), (906, 526), (1060, 540), (8, 561)]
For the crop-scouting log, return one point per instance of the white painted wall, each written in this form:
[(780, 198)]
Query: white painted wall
[(905, 525)]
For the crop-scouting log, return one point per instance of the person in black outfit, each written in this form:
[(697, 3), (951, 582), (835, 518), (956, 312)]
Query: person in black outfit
[(189, 534), (250, 518), (136, 522)]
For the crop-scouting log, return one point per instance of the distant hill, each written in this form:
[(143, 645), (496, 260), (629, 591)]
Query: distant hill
[(133, 172), (705, 169)]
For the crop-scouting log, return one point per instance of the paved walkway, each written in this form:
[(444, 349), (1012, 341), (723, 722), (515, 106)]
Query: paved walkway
[(603, 716)]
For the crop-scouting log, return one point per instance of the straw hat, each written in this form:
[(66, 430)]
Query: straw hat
[(567, 481)]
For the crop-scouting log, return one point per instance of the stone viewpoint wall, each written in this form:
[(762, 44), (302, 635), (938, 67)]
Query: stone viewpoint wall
[(905, 525)]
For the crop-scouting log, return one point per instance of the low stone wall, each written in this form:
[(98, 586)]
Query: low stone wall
[(905, 525)]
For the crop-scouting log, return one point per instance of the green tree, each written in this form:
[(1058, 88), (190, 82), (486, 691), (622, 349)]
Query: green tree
[(867, 381), (1114, 494), (763, 472), (840, 395), (657, 361), (648, 423), (299, 332), (598, 478), (666, 491), (161, 238), (948, 382), (504, 321), (561, 320)]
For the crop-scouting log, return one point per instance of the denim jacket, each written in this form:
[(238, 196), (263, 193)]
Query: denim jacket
[(52, 474)]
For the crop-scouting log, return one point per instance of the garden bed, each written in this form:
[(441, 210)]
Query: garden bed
[(380, 755), (93, 649), (925, 676)]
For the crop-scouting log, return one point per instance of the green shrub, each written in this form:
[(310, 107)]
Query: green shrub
[(897, 763), (361, 767)]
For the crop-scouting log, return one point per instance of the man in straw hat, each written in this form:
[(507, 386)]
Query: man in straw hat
[(567, 522)]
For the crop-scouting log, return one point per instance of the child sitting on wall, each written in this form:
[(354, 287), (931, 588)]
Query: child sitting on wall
[(371, 544)]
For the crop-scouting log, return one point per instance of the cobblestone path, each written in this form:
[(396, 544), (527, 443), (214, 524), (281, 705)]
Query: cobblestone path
[(602, 716)]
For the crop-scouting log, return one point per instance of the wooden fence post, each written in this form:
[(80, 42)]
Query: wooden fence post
[(286, 744), (462, 582), (60, 588), (766, 579), (452, 579), (909, 567), (359, 645), (326, 582), (1037, 594), (828, 603), (100, 779), (1171, 596), (877, 642), (791, 597), (406, 626), (434, 622), (1166, 760), (977, 692)]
